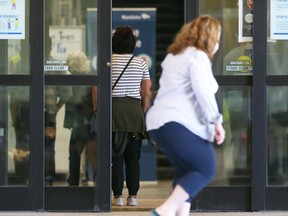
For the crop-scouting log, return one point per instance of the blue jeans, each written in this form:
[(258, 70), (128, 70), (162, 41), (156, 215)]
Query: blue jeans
[(192, 157)]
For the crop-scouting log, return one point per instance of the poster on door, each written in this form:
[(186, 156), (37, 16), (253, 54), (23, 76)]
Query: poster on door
[(12, 19), (245, 20), (66, 39), (279, 19)]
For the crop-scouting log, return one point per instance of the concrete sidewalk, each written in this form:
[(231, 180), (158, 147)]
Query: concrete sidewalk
[(137, 213)]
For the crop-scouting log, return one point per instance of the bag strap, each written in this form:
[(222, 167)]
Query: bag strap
[(122, 72)]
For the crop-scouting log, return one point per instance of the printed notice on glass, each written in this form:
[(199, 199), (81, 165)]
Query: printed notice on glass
[(245, 20), (12, 19), (279, 19)]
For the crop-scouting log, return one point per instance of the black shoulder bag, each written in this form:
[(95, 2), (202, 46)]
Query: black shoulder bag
[(120, 139), (122, 72)]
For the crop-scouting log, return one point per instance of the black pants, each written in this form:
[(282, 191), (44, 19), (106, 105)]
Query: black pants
[(131, 157), (80, 137), (21, 126), (50, 138), (49, 160)]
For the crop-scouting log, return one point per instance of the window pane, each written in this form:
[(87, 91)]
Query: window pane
[(277, 54), (277, 45), (15, 52), (70, 29), (234, 56), (14, 135), (70, 49), (70, 139), (234, 155), (277, 135)]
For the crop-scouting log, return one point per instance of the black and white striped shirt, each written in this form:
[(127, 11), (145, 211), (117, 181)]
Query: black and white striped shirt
[(129, 84)]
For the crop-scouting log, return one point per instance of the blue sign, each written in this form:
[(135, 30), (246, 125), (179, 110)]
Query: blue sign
[(143, 21)]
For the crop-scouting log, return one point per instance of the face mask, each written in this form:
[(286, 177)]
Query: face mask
[(215, 48)]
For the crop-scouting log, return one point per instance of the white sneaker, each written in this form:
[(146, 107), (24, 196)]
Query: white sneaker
[(118, 201), (132, 201)]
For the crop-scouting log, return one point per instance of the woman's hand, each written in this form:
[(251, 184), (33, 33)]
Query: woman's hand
[(146, 94), (219, 133)]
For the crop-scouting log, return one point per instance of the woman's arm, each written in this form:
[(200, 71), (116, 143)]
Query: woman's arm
[(146, 93), (94, 98)]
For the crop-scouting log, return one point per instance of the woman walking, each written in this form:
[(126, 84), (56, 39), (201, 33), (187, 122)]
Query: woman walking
[(184, 119)]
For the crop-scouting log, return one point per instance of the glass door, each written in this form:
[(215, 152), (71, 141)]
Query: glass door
[(21, 107), (277, 107), (55, 105), (251, 69), (233, 69), (77, 105)]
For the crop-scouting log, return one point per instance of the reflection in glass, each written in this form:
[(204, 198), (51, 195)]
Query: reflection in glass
[(233, 57), (55, 98), (71, 29), (70, 146), (79, 116), (15, 53), (70, 141), (234, 155), (277, 135), (14, 57), (277, 52), (14, 135)]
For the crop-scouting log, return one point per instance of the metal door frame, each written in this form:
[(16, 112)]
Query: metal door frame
[(37, 197), (89, 198), (259, 196)]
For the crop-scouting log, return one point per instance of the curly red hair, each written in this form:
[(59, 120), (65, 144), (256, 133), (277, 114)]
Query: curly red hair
[(202, 33)]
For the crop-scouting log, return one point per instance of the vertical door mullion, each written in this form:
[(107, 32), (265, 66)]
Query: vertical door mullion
[(104, 26), (259, 106), (36, 102), (3, 118)]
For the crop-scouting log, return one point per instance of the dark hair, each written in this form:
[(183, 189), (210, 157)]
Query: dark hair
[(123, 40)]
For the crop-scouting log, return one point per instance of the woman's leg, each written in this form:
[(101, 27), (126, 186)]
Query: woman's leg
[(193, 159), (76, 147), (184, 209), (74, 159), (132, 155), (117, 175)]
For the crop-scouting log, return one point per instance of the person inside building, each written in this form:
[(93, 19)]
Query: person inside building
[(55, 98), (184, 119), (78, 113), (19, 109), (131, 92)]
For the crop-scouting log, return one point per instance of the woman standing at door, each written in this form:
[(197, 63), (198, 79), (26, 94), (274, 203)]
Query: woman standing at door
[(184, 119), (130, 94)]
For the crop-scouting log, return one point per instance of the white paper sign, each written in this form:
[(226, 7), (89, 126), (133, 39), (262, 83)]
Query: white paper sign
[(279, 19), (245, 20), (12, 19), (66, 39)]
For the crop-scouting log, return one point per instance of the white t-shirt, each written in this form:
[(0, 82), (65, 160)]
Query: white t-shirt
[(129, 84), (186, 94)]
